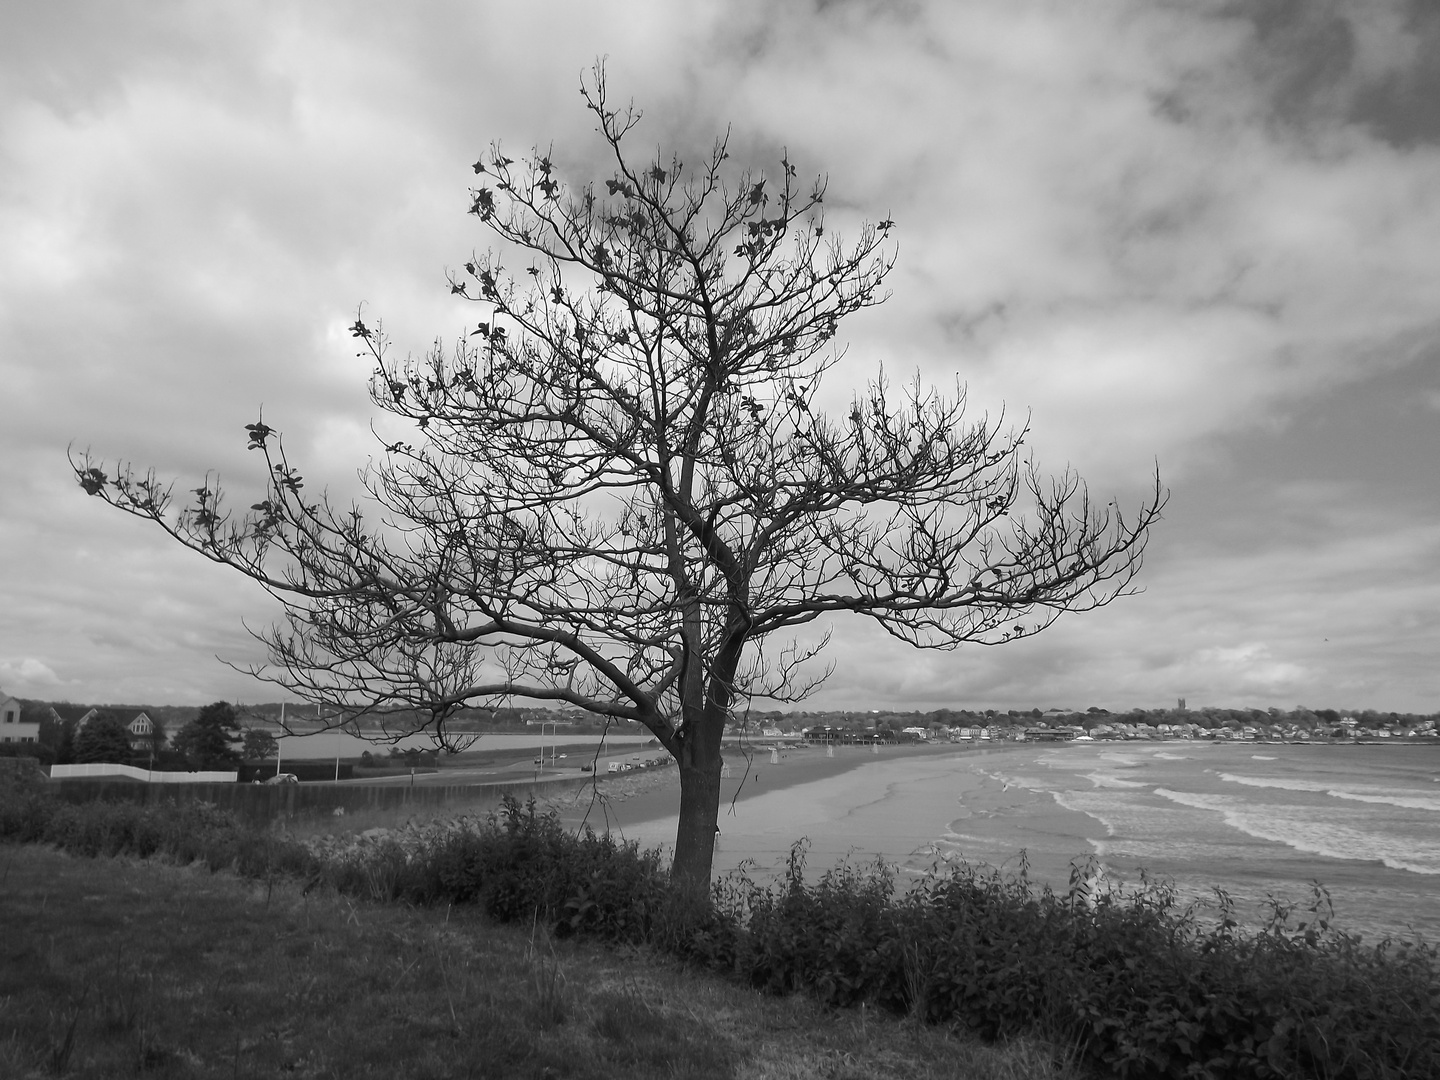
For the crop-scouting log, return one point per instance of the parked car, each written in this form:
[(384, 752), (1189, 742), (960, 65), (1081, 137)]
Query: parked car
[(283, 778)]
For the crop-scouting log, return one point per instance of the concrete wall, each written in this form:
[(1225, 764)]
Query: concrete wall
[(67, 772)]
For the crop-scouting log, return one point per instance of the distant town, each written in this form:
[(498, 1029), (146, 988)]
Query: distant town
[(1096, 724), (48, 730)]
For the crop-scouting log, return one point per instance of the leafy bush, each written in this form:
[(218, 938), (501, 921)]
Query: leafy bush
[(31, 751), (1139, 986), (519, 865), (186, 833)]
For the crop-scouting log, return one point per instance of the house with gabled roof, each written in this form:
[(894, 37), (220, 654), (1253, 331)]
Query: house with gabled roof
[(142, 731), (141, 727), (13, 726), (72, 714)]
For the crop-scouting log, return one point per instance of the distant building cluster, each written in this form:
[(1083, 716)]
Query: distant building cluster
[(1064, 725)]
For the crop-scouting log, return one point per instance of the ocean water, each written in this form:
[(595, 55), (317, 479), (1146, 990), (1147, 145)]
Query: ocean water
[(1256, 820)]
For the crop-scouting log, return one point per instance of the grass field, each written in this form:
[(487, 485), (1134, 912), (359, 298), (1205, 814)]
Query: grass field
[(117, 967)]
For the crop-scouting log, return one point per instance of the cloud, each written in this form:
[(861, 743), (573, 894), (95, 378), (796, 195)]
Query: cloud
[(28, 675), (1130, 244), (1330, 600), (1249, 668), (1161, 231), (1104, 211)]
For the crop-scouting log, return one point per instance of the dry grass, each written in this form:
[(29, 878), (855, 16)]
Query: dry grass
[(117, 967)]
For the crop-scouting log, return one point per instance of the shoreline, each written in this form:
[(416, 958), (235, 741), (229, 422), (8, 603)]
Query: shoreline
[(1169, 811), (634, 799), (902, 805), (1141, 811)]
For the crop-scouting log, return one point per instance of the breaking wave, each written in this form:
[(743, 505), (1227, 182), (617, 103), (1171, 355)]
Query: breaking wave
[(1367, 794), (1302, 828)]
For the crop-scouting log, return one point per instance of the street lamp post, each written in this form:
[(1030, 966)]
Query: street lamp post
[(554, 726)]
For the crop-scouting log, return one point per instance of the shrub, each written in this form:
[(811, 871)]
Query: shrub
[(1140, 987), (185, 833)]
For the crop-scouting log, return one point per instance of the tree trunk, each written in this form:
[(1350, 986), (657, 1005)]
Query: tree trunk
[(700, 764)]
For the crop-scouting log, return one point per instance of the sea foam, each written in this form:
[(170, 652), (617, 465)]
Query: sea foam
[(1304, 829), (1363, 793), (1109, 780)]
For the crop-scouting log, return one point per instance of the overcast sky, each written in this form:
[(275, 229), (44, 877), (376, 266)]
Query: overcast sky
[(1195, 233)]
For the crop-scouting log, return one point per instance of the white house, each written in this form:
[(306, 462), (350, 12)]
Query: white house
[(14, 729)]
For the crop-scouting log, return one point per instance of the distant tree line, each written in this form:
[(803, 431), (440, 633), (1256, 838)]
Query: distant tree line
[(1208, 717), (211, 739), (221, 735)]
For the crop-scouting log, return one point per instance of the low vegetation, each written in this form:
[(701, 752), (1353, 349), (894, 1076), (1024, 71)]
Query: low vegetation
[(1134, 985), (120, 968)]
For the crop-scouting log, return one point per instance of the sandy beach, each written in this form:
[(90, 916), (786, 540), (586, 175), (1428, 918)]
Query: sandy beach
[(900, 803), (1255, 820)]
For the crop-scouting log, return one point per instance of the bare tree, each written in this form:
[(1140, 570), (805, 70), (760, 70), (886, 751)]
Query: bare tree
[(623, 494)]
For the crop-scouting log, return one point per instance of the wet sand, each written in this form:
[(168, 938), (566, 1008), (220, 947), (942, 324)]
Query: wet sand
[(646, 796), (909, 805)]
